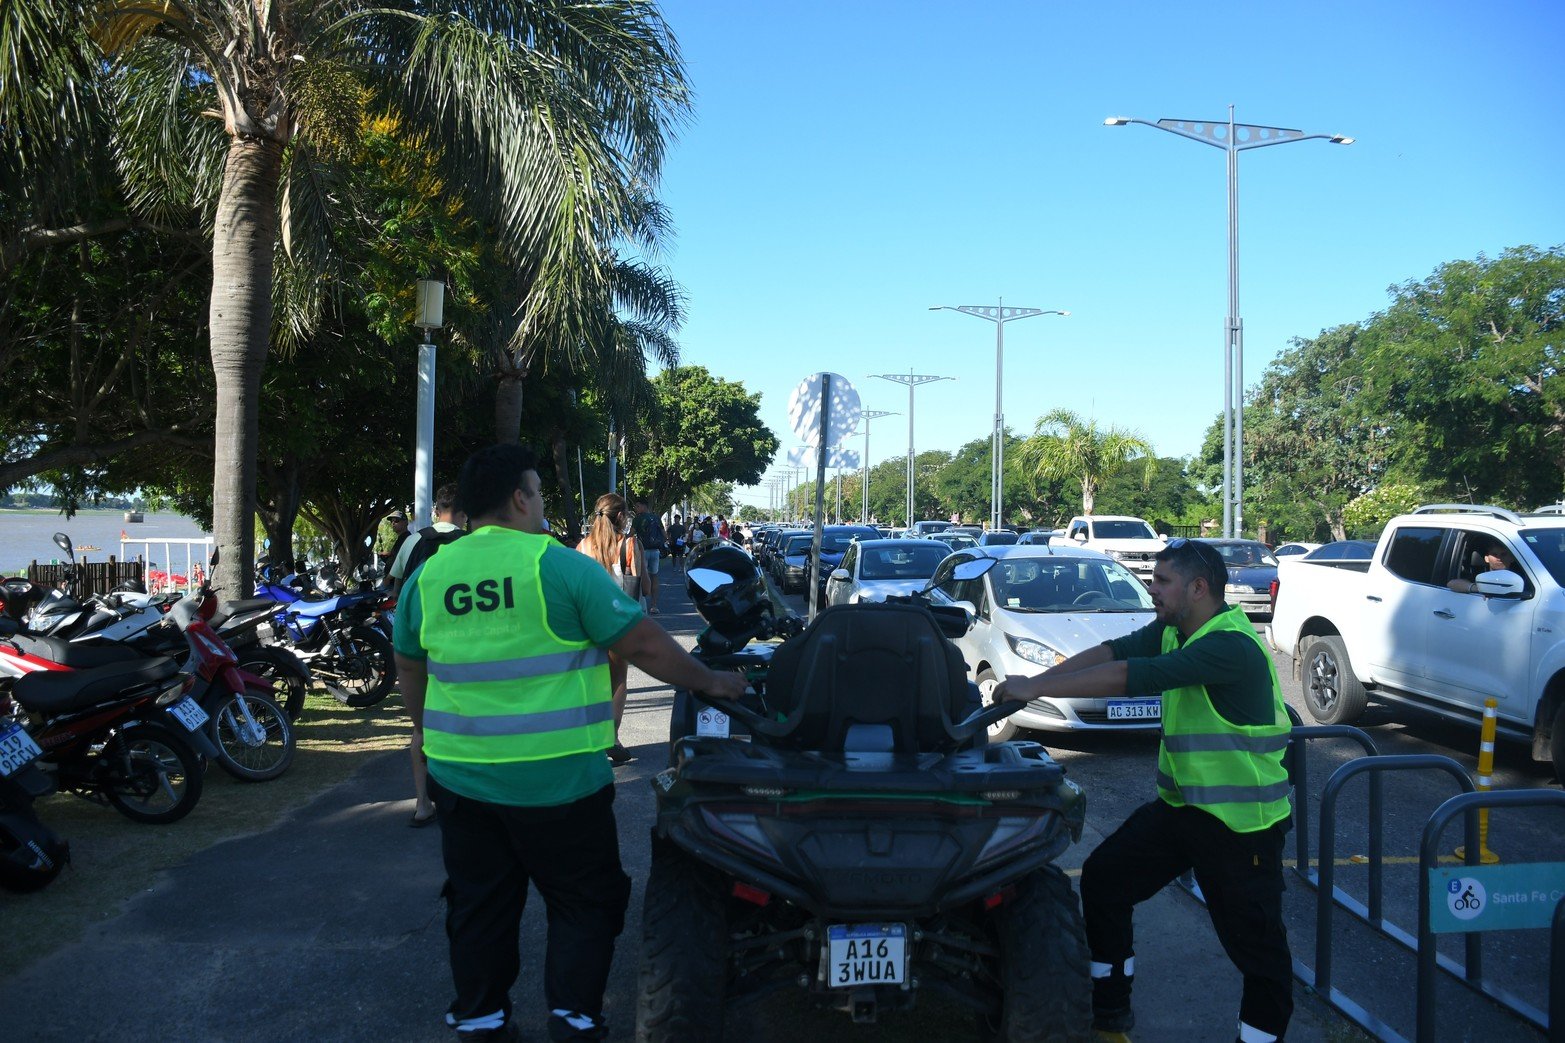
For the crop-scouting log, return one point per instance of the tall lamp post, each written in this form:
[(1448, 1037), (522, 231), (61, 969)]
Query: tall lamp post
[(1227, 136), (430, 316), (912, 380), (866, 416), (999, 315)]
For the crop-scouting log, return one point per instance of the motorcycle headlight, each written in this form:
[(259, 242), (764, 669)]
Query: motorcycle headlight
[(1034, 651)]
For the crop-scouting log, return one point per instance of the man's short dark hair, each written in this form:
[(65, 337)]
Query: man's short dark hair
[(445, 498), (491, 475), (1193, 559)]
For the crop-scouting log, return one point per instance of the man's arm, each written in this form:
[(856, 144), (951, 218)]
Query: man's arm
[(413, 679), (1085, 675), (650, 648)]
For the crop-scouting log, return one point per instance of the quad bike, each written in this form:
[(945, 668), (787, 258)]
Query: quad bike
[(863, 843)]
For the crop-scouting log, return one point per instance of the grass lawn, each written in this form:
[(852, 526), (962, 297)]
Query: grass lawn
[(114, 859)]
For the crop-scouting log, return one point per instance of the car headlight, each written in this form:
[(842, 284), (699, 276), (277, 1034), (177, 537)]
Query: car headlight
[(1238, 588), (1117, 555), (1034, 651)]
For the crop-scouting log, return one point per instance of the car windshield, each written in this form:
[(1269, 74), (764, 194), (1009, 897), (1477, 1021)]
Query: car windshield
[(955, 540), (1244, 555), (1549, 545), (798, 545), (1123, 530), (999, 539), (1066, 585), (911, 561)]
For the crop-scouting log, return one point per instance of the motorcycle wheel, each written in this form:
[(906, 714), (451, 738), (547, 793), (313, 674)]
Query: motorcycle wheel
[(253, 750), (684, 951), (150, 774), (366, 667), (1045, 967), (281, 667)]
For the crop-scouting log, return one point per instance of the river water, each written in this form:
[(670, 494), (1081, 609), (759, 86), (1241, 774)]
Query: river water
[(27, 536)]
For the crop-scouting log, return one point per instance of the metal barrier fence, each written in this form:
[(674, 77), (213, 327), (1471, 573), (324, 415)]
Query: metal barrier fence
[(172, 574)]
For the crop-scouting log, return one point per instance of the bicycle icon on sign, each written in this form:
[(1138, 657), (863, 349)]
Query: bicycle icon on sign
[(1465, 897)]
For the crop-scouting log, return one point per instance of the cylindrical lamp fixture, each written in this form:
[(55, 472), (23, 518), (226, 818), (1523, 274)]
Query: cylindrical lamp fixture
[(431, 304)]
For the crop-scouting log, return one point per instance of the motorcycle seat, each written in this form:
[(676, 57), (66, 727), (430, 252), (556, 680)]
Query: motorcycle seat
[(58, 691), (228, 609), (73, 654), (879, 678), (313, 609)]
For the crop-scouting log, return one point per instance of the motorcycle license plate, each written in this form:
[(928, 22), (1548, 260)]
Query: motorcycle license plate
[(1135, 709), (189, 713), (17, 749), (866, 954)]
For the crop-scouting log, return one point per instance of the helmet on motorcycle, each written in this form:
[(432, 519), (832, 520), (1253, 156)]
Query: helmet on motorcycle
[(130, 586), (17, 595), (726, 586), (31, 854)]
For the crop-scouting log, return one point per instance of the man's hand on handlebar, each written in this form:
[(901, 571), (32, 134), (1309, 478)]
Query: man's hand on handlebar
[(1017, 689), (724, 684)]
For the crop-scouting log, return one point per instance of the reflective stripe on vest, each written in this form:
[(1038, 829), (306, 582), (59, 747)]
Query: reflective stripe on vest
[(1231, 771), (503, 687)]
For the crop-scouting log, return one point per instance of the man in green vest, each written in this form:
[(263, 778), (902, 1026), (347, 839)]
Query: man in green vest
[(501, 643), (1222, 792)]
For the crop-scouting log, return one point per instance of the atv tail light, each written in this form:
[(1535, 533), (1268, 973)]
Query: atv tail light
[(753, 895), (1000, 897), (762, 791), (1011, 832), (1000, 794)]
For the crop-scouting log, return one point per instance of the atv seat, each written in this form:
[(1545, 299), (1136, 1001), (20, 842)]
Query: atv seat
[(872, 677), (57, 691)]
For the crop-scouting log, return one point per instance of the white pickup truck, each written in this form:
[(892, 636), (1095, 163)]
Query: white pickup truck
[(1130, 541), (1425, 622)]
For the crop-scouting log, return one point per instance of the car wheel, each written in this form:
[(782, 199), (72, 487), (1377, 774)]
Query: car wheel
[(1331, 689), (1005, 728)]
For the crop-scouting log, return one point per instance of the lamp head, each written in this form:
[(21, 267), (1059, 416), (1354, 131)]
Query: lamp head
[(1117, 121), (1341, 139)]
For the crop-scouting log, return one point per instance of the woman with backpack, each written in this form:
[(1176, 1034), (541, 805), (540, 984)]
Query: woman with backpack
[(609, 543)]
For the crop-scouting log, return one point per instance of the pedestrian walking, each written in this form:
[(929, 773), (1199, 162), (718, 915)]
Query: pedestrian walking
[(500, 644), (1222, 805), (649, 532), (609, 543), (676, 535)]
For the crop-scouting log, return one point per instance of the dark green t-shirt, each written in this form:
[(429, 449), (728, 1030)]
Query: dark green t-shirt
[(1231, 667), (584, 604)]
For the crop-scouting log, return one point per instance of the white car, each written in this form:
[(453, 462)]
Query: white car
[(871, 569), (1036, 607), (1129, 541), (1289, 550)]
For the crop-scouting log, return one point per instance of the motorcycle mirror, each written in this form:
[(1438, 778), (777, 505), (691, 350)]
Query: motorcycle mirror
[(212, 561), (63, 542), (369, 541), (709, 580)]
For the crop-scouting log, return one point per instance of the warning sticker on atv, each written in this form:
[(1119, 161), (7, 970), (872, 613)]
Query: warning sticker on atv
[(866, 954), (712, 724)]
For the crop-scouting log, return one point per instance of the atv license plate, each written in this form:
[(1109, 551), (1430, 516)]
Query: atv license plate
[(189, 713), (866, 954), (17, 749), (1135, 709)]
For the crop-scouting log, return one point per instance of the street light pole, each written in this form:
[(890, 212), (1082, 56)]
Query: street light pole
[(866, 416), (1226, 136), (430, 316), (999, 316), (912, 380)]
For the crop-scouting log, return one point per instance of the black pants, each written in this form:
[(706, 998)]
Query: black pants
[(571, 854), (1240, 876)]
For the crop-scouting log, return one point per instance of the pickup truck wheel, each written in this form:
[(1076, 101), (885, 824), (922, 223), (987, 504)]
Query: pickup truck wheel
[(1005, 729), (1331, 689)]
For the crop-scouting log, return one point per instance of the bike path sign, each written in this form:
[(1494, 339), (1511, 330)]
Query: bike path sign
[(1494, 898)]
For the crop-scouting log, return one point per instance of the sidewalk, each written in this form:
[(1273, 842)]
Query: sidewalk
[(329, 926)]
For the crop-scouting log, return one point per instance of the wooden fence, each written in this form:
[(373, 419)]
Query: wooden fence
[(92, 577)]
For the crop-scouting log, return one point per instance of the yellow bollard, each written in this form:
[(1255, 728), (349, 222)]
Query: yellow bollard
[(1485, 777)]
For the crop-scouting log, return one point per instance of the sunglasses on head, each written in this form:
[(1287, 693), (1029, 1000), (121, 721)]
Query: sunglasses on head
[(1205, 551)]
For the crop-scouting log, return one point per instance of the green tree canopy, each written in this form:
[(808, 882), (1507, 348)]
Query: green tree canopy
[(702, 429)]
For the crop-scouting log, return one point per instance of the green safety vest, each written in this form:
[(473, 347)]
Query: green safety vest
[(1232, 771), (503, 687)]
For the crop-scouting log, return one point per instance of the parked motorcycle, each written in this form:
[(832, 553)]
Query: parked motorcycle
[(31, 854), (864, 844), (336, 637)]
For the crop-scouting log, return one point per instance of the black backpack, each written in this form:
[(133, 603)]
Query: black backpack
[(430, 540)]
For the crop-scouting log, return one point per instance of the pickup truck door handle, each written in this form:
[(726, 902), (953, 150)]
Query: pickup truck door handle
[(1443, 614), (1372, 597)]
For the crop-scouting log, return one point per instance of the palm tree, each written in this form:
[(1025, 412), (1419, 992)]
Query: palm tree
[(549, 115), (1065, 446)]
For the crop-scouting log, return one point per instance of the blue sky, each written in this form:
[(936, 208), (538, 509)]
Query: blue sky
[(850, 164)]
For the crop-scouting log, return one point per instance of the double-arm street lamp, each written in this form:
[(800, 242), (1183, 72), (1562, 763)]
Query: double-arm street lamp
[(866, 416), (999, 315), (1233, 138), (912, 380)]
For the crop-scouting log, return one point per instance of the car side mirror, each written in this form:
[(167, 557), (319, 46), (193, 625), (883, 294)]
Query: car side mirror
[(840, 575), (1080, 537), (1500, 584)]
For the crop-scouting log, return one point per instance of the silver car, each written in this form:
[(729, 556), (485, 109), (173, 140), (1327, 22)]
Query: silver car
[(1038, 606), (871, 569)]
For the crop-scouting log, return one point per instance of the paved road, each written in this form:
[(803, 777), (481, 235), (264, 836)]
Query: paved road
[(329, 926)]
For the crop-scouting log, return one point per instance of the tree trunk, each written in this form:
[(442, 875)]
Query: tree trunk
[(568, 491), (508, 409), (281, 510), (1089, 496), (244, 236)]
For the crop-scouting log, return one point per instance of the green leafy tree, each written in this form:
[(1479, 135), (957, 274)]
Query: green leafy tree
[(1366, 515), (552, 115), (1067, 446), (703, 429), (1164, 499)]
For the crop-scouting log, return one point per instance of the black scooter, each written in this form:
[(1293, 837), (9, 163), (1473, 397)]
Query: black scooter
[(862, 844)]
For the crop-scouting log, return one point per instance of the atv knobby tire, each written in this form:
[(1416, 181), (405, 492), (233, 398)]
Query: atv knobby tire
[(1045, 968), (684, 951)]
